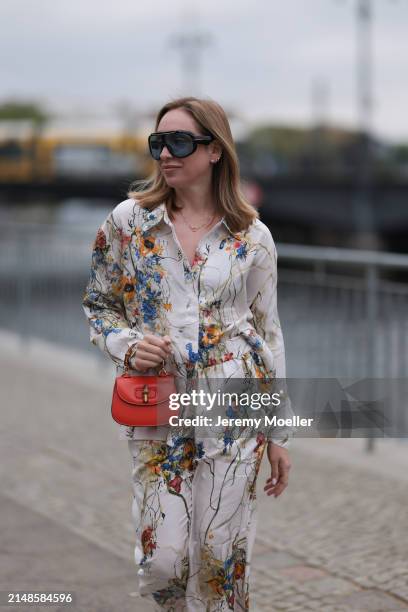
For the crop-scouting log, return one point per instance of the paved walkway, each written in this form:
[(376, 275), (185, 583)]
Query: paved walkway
[(335, 540)]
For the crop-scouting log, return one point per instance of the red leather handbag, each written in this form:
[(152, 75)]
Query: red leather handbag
[(143, 401)]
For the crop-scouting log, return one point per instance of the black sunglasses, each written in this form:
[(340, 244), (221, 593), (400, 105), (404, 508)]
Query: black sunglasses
[(180, 143)]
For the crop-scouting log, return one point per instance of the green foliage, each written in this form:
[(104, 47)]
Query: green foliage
[(288, 141), (17, 111), (400, 153)]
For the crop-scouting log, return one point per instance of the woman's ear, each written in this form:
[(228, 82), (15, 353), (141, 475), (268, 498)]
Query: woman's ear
[(215, 149)]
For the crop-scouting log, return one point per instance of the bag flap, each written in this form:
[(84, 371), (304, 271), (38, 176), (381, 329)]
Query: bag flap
[(145, 390)]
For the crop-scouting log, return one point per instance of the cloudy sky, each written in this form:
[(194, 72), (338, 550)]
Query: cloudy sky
[(263, 59)]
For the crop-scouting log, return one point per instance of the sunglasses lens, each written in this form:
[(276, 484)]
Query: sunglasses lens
[(180, 145), (155, 146)]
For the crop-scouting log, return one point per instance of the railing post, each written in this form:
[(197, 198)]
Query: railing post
[(372, 313), (23, 289)]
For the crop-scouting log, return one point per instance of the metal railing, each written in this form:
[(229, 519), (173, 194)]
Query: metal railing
[(343, 312)]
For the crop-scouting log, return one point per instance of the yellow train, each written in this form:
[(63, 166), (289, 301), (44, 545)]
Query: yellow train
[(49, 158)]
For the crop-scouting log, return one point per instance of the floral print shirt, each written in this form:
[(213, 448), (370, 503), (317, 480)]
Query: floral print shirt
[(220, 312)]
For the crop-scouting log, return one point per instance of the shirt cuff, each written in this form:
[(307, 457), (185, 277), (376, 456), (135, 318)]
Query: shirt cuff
[(282, 442), (118, 344)]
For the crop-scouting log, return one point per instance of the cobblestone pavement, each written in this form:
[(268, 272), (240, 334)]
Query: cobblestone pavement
[(335, 540)]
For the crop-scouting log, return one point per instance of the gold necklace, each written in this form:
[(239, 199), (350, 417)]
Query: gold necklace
[(195, 228)]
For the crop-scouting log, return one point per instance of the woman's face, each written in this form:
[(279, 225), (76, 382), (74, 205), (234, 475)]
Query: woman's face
[(194, 169)]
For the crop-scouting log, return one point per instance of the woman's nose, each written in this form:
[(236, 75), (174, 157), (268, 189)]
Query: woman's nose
[(167, 155)]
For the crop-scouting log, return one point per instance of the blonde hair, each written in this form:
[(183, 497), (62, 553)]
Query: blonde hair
[(210, 118)]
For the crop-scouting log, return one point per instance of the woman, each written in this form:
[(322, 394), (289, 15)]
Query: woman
[(184, 271)]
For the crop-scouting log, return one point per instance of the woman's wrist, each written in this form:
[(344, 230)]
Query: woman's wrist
[(130, 354)]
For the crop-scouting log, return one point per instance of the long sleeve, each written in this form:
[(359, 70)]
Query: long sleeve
[(103, 298), (262, 300)]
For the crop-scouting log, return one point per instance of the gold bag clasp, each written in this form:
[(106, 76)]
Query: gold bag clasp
[(145, 394)]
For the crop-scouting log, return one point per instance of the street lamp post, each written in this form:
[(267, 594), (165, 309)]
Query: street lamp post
[(363, 202), (191, 46), (363, 198)]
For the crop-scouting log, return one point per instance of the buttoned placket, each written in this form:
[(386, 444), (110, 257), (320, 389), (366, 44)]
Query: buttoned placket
[(154, 217), (193, 286)]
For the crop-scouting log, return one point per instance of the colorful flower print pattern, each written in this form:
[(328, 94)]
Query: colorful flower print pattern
[(190, 547)]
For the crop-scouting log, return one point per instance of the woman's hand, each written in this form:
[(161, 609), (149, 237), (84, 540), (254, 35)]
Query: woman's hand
[(280, 465), (150, 352)]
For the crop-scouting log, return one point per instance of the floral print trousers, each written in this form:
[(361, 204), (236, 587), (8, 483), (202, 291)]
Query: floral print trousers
[(194, 511)]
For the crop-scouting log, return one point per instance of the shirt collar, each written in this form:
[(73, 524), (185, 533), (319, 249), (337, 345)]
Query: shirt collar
[(153, 217)]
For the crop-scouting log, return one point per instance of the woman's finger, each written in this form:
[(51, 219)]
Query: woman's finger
[(152, 360), (144, 364), (275, 471), (157, 341), (269, 487), (276, 485), (150, 351), (280, 487), (274, 478)]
